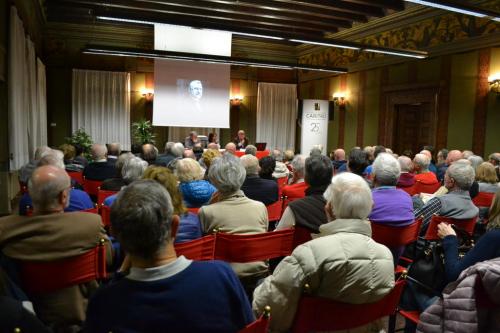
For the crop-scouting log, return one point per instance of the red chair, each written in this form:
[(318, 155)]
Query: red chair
[(103, 194), (29, 211), (261, 325), (394, 237), (39, 277), (76, 175), (483, 199), (321, 314), (255, 247), (419, 187), (274, 211), (282, 181), (431, 233), (91, 186), (199, 249), (105, 216), (23, 187), (194, 210), (301, 235)]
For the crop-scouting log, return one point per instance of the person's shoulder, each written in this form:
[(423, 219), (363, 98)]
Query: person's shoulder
[(81, 218), (213, 267)]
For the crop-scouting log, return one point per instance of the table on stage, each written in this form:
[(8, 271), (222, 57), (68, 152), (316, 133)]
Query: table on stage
[(259, 155)]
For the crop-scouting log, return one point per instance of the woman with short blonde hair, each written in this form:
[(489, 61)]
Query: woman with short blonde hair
[(486, 177)]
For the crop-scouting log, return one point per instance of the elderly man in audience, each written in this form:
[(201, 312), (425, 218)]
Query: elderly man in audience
[(195, 190), (475, 161), (114, 150), (441, 166), (231, 211), (117, 182), (428, 153), (391, 206), (189, 153), (78, 199), (173, 150), (343, 263), (100, 169), (27, 169), (421, 163), (339, 161), (280, 170), (495, 160), (132, 170), (376, 150), (297, 187), (255, 187), (49, 235), (163, 292), (149, 153), (230, 148), (309, 211), (406, 178), (251, 150), (457, 202), (358, 162)]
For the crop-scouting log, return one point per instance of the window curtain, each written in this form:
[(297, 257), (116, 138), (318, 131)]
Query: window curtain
[(26, 95), (101, 105), (276, 115), (179, 134)]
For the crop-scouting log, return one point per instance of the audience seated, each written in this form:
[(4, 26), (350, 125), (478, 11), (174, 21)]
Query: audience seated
[(376, 150), (281, 170), (432, 167), (288, 158), (251, 150), (494, 159), (50, 235), (78, 199), (267, 165), (339, 160), (163, 292), (26, 171), (475, 161), (100, 169), (309, 211), (189, 224), (230, 148), (132, 170), (442, 155), (114, 151), (149, 153), (232, 212), (487, 178), (358, 162), (255, 187), (297, 187), (406, 178), (421, 164), (457, 202), (189, 153), (172, 152), (208, 156), (343, 263), (117, 182), (80, 158), (195, 190), (391, 206), (69, 156)]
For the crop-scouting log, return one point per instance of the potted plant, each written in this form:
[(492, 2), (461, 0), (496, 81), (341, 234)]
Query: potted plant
[(82, 139), (142, 132)]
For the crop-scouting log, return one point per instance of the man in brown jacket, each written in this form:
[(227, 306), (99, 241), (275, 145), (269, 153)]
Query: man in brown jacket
[(50, 235)]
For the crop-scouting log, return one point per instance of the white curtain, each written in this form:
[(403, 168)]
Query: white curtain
[(26, 94), (179, 134), (276, 115), (101, 105)]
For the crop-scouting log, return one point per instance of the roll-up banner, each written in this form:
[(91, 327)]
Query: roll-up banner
[(314, 125)]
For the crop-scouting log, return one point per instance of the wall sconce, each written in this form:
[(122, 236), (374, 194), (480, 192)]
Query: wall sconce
[(494, 81), (236, 100), (340, 99), (148, 94)]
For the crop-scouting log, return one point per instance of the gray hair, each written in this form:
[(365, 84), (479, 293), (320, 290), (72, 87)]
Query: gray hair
[(120, 161), (462, 173), (299, 165), (177, 149), (475, 161), (141, 218), (251, 164), (278, 155), (41, 151), (386, 170), (316, 150), (188, 170), (53, 157), (133, 169), (405, 163), (251, 150), (227, 174), (422, 161), (44, 191), (168, 147), (467, 153), (349, 196), (99, 151)]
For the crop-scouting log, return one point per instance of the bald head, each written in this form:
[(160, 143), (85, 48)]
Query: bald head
[(49, 188), (231, 148), (99, 151), (339, 155), (213, 145), (427, 153), (453, 156), (114, 149)]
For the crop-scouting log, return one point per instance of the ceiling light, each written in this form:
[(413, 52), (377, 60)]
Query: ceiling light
[(414, 54), (324, 44), (478, 12)]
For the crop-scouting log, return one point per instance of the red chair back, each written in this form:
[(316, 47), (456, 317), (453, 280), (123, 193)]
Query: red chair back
[(23, 187), (103, 194), (261, 325), (42, 277), (301, 235), (194, 210), (483, 199), (199, 249), (393, 237), (91, 186), (419, 187), (322, 314), (255, 247), (274, 211), (468, 225), (76, 175), (29, 211), (105, 216), (282, 181)]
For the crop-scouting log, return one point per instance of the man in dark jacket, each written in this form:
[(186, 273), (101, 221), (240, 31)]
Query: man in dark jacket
[(101, 168), (256, 188)]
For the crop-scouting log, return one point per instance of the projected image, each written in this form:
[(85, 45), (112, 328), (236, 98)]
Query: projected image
[(196, 89)]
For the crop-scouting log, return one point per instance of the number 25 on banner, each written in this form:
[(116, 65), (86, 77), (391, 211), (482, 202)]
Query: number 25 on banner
[(314, 127)]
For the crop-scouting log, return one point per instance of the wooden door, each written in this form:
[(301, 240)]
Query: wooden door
[(413, 127)]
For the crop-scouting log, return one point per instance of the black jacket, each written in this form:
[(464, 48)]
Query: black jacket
[(263, 190)]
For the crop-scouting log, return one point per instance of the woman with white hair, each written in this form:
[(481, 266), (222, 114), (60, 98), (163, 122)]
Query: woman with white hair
[(195, 190), (132, 170), (343, 263)]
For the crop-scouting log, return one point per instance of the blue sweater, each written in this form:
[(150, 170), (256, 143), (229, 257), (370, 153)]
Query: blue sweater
[(486, 248), (205, 297), (196, 193), (189, 228), (78, 200)]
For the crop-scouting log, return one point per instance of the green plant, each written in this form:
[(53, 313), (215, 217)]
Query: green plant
[(142, 131), (82, 139)]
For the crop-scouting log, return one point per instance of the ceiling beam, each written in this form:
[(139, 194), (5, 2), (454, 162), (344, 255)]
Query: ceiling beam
[(389, 4), (326, 5)]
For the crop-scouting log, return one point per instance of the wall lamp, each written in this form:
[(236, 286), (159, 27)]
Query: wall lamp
[(148, 94), (236, 100), (494, 81), (340, 99)]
